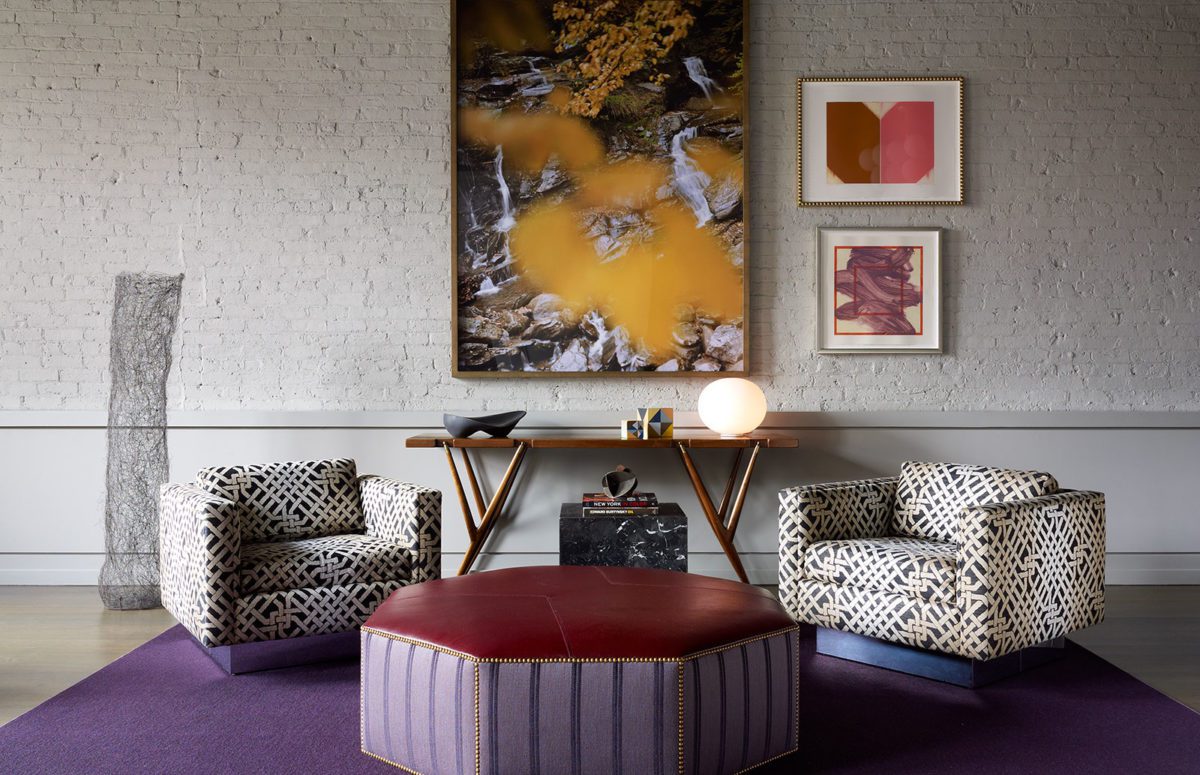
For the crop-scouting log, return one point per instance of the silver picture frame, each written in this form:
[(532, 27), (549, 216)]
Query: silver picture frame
[(930, 342)]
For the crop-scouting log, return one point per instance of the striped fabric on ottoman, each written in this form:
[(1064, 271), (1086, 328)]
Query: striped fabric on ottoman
[(582, 670)]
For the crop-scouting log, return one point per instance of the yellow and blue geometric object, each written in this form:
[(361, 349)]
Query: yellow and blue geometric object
[(657, 422)]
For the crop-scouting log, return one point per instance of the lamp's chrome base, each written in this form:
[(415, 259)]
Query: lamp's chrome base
[(948, 668), (288, 652)]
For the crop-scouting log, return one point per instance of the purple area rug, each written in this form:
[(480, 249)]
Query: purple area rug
[(165, 707)]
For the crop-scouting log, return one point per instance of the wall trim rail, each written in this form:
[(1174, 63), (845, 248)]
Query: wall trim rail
[(51, 528)]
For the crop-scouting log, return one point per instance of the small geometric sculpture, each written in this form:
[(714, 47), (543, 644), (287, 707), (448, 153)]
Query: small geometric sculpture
[(498, 426), (145, 312), (657, 423), (619, 483), (631, 429)]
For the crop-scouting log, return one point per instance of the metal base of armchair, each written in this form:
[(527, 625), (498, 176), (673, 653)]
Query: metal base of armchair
[(947, 668), (289, 652)]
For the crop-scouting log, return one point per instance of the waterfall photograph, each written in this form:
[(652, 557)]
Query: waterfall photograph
[(599, 187)]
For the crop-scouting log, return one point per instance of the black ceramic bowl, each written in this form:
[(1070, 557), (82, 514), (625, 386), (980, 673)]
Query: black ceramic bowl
[(498, 426)]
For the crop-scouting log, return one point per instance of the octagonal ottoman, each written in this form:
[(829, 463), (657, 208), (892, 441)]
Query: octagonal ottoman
[(579, 670)]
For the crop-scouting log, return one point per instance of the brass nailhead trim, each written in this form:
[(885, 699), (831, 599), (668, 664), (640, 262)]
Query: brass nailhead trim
[(389, 761), (477, 759), (421, 643), (797, 685), (765, 762), (747, 641), (362, 698), (679, 672), (573, 660)]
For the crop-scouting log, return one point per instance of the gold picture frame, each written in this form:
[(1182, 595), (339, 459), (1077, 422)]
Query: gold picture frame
[(457, 367), (877, 91)]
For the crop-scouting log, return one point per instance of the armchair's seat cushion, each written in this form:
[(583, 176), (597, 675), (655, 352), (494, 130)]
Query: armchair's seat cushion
[(931, 496), (915, 567), (306, 499), (329, 561)]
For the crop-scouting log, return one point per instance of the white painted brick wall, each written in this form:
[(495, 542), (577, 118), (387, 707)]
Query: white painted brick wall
[(292, 158)]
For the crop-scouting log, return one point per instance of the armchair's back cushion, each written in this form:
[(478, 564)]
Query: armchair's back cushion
[(931, 496), (289, 501)]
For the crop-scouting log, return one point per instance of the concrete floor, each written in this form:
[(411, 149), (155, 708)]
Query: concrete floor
[(51, 637), (1153, 633)]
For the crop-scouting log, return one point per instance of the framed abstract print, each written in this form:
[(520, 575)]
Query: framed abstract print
[(598, 187), (879, 141), (879, 290)]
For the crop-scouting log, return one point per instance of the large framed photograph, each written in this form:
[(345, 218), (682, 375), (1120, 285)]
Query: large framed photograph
[(599, 206), (879, 290), (879, 141)]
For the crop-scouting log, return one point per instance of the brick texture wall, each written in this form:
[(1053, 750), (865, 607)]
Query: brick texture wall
[(292, 158)]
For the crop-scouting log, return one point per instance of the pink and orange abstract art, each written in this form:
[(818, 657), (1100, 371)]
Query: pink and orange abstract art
[(878, 291), (879, 142)]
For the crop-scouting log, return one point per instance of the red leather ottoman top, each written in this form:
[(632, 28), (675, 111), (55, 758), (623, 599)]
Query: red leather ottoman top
[(579, 613)]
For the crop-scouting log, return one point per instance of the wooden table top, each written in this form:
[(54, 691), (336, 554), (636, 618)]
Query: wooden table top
[(599, 440)]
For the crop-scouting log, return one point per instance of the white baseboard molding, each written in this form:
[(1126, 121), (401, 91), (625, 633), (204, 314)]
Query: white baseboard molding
[(1164, 568), (761, 567), (50, 570)]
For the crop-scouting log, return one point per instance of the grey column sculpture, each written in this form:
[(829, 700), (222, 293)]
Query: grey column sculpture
[(145, 312)]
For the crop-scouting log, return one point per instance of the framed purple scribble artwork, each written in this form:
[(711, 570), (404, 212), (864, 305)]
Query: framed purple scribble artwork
[(879, 290)]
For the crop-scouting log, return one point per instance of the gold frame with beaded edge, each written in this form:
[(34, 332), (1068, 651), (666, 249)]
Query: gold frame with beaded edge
[(961, 177), (747, 339)]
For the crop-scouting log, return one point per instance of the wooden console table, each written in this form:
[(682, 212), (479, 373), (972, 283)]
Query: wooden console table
[(723, 519)]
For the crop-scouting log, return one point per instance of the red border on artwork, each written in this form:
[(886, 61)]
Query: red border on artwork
[(920, 307)]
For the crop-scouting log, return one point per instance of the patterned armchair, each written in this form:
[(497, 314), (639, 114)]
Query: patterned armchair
[(268, 552), (971, 561)]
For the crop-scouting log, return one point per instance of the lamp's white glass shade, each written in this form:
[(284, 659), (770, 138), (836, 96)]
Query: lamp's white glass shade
[(732, 406)]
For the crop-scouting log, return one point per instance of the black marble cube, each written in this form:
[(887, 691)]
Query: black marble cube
[(634, 542)]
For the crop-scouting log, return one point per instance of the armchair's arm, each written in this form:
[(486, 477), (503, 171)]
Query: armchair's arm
[(1030, 571), (409, 515), (819, 512), (199, 547)]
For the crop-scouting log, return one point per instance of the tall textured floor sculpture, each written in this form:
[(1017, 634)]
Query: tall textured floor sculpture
[(145, 312)]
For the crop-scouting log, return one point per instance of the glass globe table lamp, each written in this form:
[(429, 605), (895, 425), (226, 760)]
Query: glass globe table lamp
[(732, 406)]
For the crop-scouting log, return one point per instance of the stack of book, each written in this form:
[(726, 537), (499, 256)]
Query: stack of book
[(635, 504)]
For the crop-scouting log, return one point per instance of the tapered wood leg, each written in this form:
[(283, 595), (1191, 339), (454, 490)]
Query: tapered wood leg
[(468, 517), (710, 512), (462, 452), (495, 507), (736, 515), (724, 509)]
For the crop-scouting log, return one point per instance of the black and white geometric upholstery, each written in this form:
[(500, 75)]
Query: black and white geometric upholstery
[(290, 500), (330, 561), (407, 515), (931, 496), (241, 562), (973, 561), (892, 564), (199, 550)]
